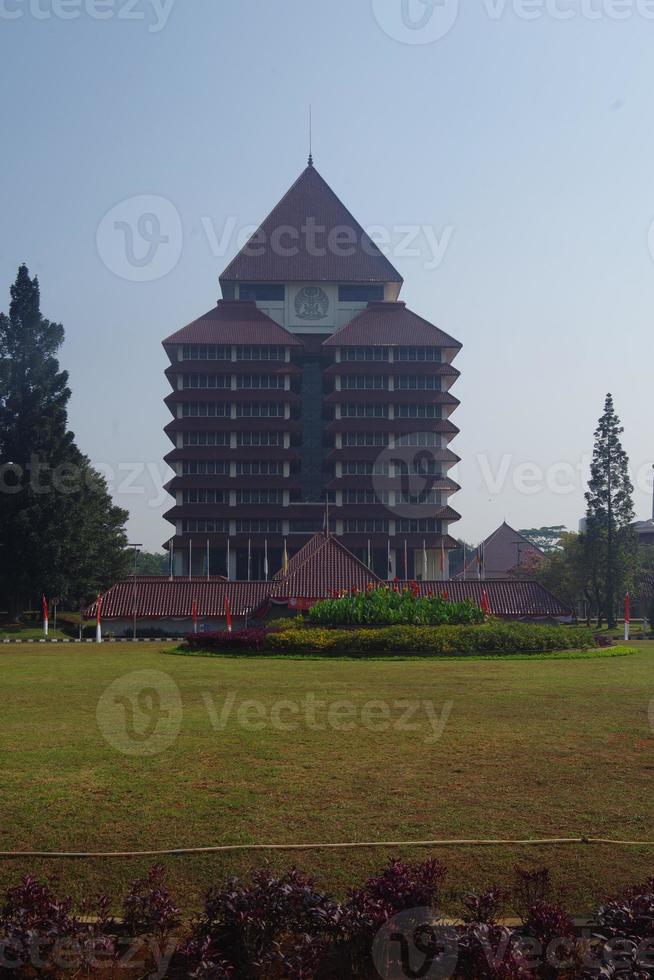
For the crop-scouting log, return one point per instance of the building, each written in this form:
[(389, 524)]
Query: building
[(310, 394), (503, 555), (322, 567)]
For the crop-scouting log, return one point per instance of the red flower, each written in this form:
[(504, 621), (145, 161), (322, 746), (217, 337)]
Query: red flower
[(445, 595)]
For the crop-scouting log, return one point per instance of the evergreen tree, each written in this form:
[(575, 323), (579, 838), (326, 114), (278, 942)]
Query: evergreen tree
[(609, 546), (59, 531)]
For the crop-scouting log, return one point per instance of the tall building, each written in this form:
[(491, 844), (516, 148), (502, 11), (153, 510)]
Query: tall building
[(311, 395)]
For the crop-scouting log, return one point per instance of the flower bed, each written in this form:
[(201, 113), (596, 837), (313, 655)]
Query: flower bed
[(285, 927), (433, 641)]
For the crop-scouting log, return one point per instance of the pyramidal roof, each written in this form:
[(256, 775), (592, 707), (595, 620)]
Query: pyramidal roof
[(390, 324), (504, 550), (310, 236), (234, 321), (323, 565)]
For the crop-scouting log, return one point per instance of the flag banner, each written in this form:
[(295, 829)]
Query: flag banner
[(406, 560), (190, 560), (44, 612), (425, 569), (228, 558), (485, 604), (627, 615), (194, 615), (390, 563), (285, 559), (442, 559), (98, 623), (265, 559), (228, 614), (208, 560), (249, 559)]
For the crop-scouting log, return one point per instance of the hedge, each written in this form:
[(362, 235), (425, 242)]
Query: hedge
[(433, 640), (488, 638)]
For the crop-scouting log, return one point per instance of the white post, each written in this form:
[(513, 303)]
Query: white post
[(98, 633)]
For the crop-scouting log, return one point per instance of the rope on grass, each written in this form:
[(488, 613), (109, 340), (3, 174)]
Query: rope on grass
[(225, 848)]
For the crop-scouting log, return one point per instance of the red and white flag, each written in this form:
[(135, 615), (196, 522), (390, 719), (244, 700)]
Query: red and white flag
[(485, 604), (98, 621), (228, 614), (44, 611), (194, 615)]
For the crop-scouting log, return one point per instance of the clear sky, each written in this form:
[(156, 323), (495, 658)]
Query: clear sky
[(513, 137)]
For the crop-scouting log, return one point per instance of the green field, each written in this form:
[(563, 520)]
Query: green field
[(541, 748)]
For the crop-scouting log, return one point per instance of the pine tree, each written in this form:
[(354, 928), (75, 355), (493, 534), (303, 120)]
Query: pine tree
[(59, 531), (609, 513)]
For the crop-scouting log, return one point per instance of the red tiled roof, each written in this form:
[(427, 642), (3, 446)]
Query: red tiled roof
[(323, 565), (162, 598), (504, 550), (507, 597), (234, 322), (390, 324), (326, 257)]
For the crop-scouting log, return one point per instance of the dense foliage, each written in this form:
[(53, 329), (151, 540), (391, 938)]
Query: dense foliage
[(285, 927), (386, 606), (487, 638), (59, 531)]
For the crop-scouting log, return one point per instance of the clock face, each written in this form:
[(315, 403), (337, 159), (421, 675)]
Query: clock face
[(311, 303)]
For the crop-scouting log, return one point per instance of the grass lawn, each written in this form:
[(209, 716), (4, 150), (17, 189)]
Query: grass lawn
[(551, 748)]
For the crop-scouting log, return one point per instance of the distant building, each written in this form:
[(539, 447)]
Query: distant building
[(502, 554), (323, 567), (310, 382)]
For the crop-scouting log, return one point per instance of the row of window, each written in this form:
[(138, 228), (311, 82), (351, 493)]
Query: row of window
[(261, 439), (243, 381), (222, 410), (263, 292), (358, 410), (427, 467), (379, 382), (220, 467), (356, 526), (429, 354), (242, 439), (222, 352)]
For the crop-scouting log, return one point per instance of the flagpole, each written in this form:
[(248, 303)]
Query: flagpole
[(208, 559), (190, 560), (285, 559), (249, 559), (265, 559), (390, 567), (171, 563), (98, 621), (44, 609), (369, 556), (228, 557), (406, 560), (425, 572)]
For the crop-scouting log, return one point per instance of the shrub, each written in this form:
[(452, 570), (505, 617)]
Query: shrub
[(247, 639), (389, 606), (271, 926), (148, 906), (488, 638)]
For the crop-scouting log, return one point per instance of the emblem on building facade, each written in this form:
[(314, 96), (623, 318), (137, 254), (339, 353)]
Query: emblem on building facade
[(311, 303)]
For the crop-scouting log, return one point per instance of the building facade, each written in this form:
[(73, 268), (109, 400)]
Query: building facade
[(310, 396)]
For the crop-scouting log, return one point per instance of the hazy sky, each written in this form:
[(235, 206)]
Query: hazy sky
[(513, 138)]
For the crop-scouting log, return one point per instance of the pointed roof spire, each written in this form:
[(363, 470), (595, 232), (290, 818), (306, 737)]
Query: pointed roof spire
[(310, 162)]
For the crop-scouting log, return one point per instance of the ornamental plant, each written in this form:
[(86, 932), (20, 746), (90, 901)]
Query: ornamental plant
[(386, 606)]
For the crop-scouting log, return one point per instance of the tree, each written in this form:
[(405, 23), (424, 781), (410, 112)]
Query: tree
[(546, 538), (152, 563), (610, 548), (59, 531)]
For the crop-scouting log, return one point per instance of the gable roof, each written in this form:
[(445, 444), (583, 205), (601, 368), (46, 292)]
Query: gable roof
[(310, 236), (390, 324), (322, 566), (506, 597), (159, 598), (234, 322), (504, 550)]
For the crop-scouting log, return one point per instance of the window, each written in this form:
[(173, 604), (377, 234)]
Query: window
[(424, 496), (361, 294), (420, 439), (365, 496), (418, 412), (425, 467), (260, 410), (260, 381), (412, 382), (422, 525), (206, 439), (205, 526), (205, 380), (206, 352), (205, 467), (265, 467), (365, 439), (378, 382), (359, 468), (260, 439), (259, 497), (258, 527), (262, 291), (364, 353), (254, 352), (358, 410), (205, 497), (306, 526), (206, 410), (366, 526), (418, 354)]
